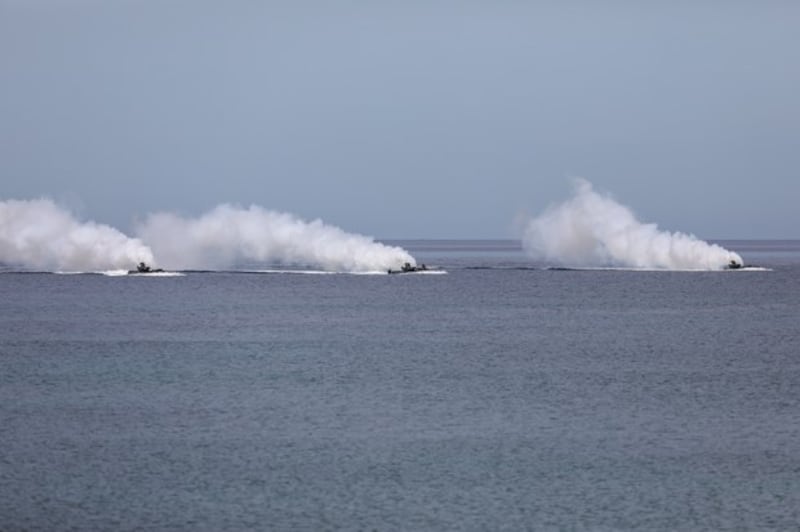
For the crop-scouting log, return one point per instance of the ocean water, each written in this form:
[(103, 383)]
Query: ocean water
[(500, 396)]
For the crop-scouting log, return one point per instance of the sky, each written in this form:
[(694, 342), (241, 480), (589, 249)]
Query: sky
[(432, 119)]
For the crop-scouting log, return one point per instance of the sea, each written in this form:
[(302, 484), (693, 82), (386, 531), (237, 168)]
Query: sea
[(497, 394)]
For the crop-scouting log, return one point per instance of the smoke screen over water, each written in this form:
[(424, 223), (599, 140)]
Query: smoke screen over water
[(589, 230), (38, 234), (592, 230), (229, 234)]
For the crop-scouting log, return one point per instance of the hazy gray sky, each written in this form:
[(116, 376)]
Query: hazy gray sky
[(406, 119)]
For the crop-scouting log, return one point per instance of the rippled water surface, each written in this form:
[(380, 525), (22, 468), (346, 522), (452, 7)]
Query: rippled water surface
[(498, 396)]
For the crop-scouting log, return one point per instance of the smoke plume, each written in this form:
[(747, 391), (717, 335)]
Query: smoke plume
[(593, 230), (38, 234), (228, 235)]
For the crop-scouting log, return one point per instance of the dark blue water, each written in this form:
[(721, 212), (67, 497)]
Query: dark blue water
[(496, 397)]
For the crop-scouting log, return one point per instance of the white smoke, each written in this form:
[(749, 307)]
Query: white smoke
[(593, 230), (39, 234), (227, 235)]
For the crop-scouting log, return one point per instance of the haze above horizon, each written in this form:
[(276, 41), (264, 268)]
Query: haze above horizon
[(414, 120)]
